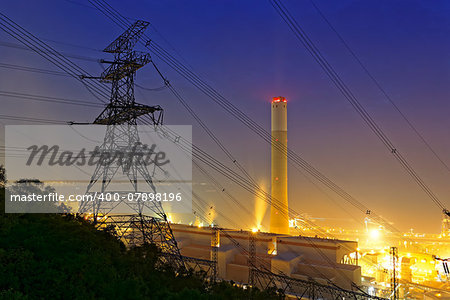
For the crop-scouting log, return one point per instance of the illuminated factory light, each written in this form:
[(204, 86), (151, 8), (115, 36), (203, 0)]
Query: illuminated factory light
[(169, 218), (375, 234)]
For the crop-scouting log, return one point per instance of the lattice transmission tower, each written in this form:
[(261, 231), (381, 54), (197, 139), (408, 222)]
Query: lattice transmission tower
[(394, 273), (120, 116)]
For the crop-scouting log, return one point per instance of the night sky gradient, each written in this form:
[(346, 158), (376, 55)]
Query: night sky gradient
[(246, 51)]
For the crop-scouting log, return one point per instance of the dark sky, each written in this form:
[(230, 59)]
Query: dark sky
[(245, 50)]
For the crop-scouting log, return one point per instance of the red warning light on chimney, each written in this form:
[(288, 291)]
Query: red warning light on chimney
[(278, 99)]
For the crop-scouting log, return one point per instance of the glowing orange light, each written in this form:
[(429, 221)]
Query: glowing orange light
[(278, 99)]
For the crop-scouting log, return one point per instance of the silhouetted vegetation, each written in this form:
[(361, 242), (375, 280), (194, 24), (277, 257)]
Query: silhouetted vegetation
[(54, 256), (2, 176)]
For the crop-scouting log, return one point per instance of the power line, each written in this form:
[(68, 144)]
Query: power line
[(256, 128), (57, 73), (205, 127), (157, 89), (31, 69), (217, 141), (378, 85), (22, 118), (213, 163), (348, 94), (72, 45), (55, 57), (31, 97), (242, 117), (75, 56), (30, 119)]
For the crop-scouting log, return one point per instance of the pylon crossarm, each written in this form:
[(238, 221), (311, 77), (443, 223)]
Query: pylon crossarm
[(121, 114), (127, 40), (123, 67)]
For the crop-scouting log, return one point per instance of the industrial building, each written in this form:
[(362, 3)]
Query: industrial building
[(295, 256)]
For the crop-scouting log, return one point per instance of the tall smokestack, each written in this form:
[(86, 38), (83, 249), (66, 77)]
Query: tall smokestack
[(279, 221)]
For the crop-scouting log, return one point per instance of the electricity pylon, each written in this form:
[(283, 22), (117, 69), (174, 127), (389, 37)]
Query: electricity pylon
[(120, 116), (394, 278)]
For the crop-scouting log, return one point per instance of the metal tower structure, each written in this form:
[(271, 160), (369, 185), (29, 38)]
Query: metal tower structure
[(394, 277), (215, 242), (251, 258), (120, 115)]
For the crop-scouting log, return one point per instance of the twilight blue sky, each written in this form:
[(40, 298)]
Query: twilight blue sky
[(245, 50)]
